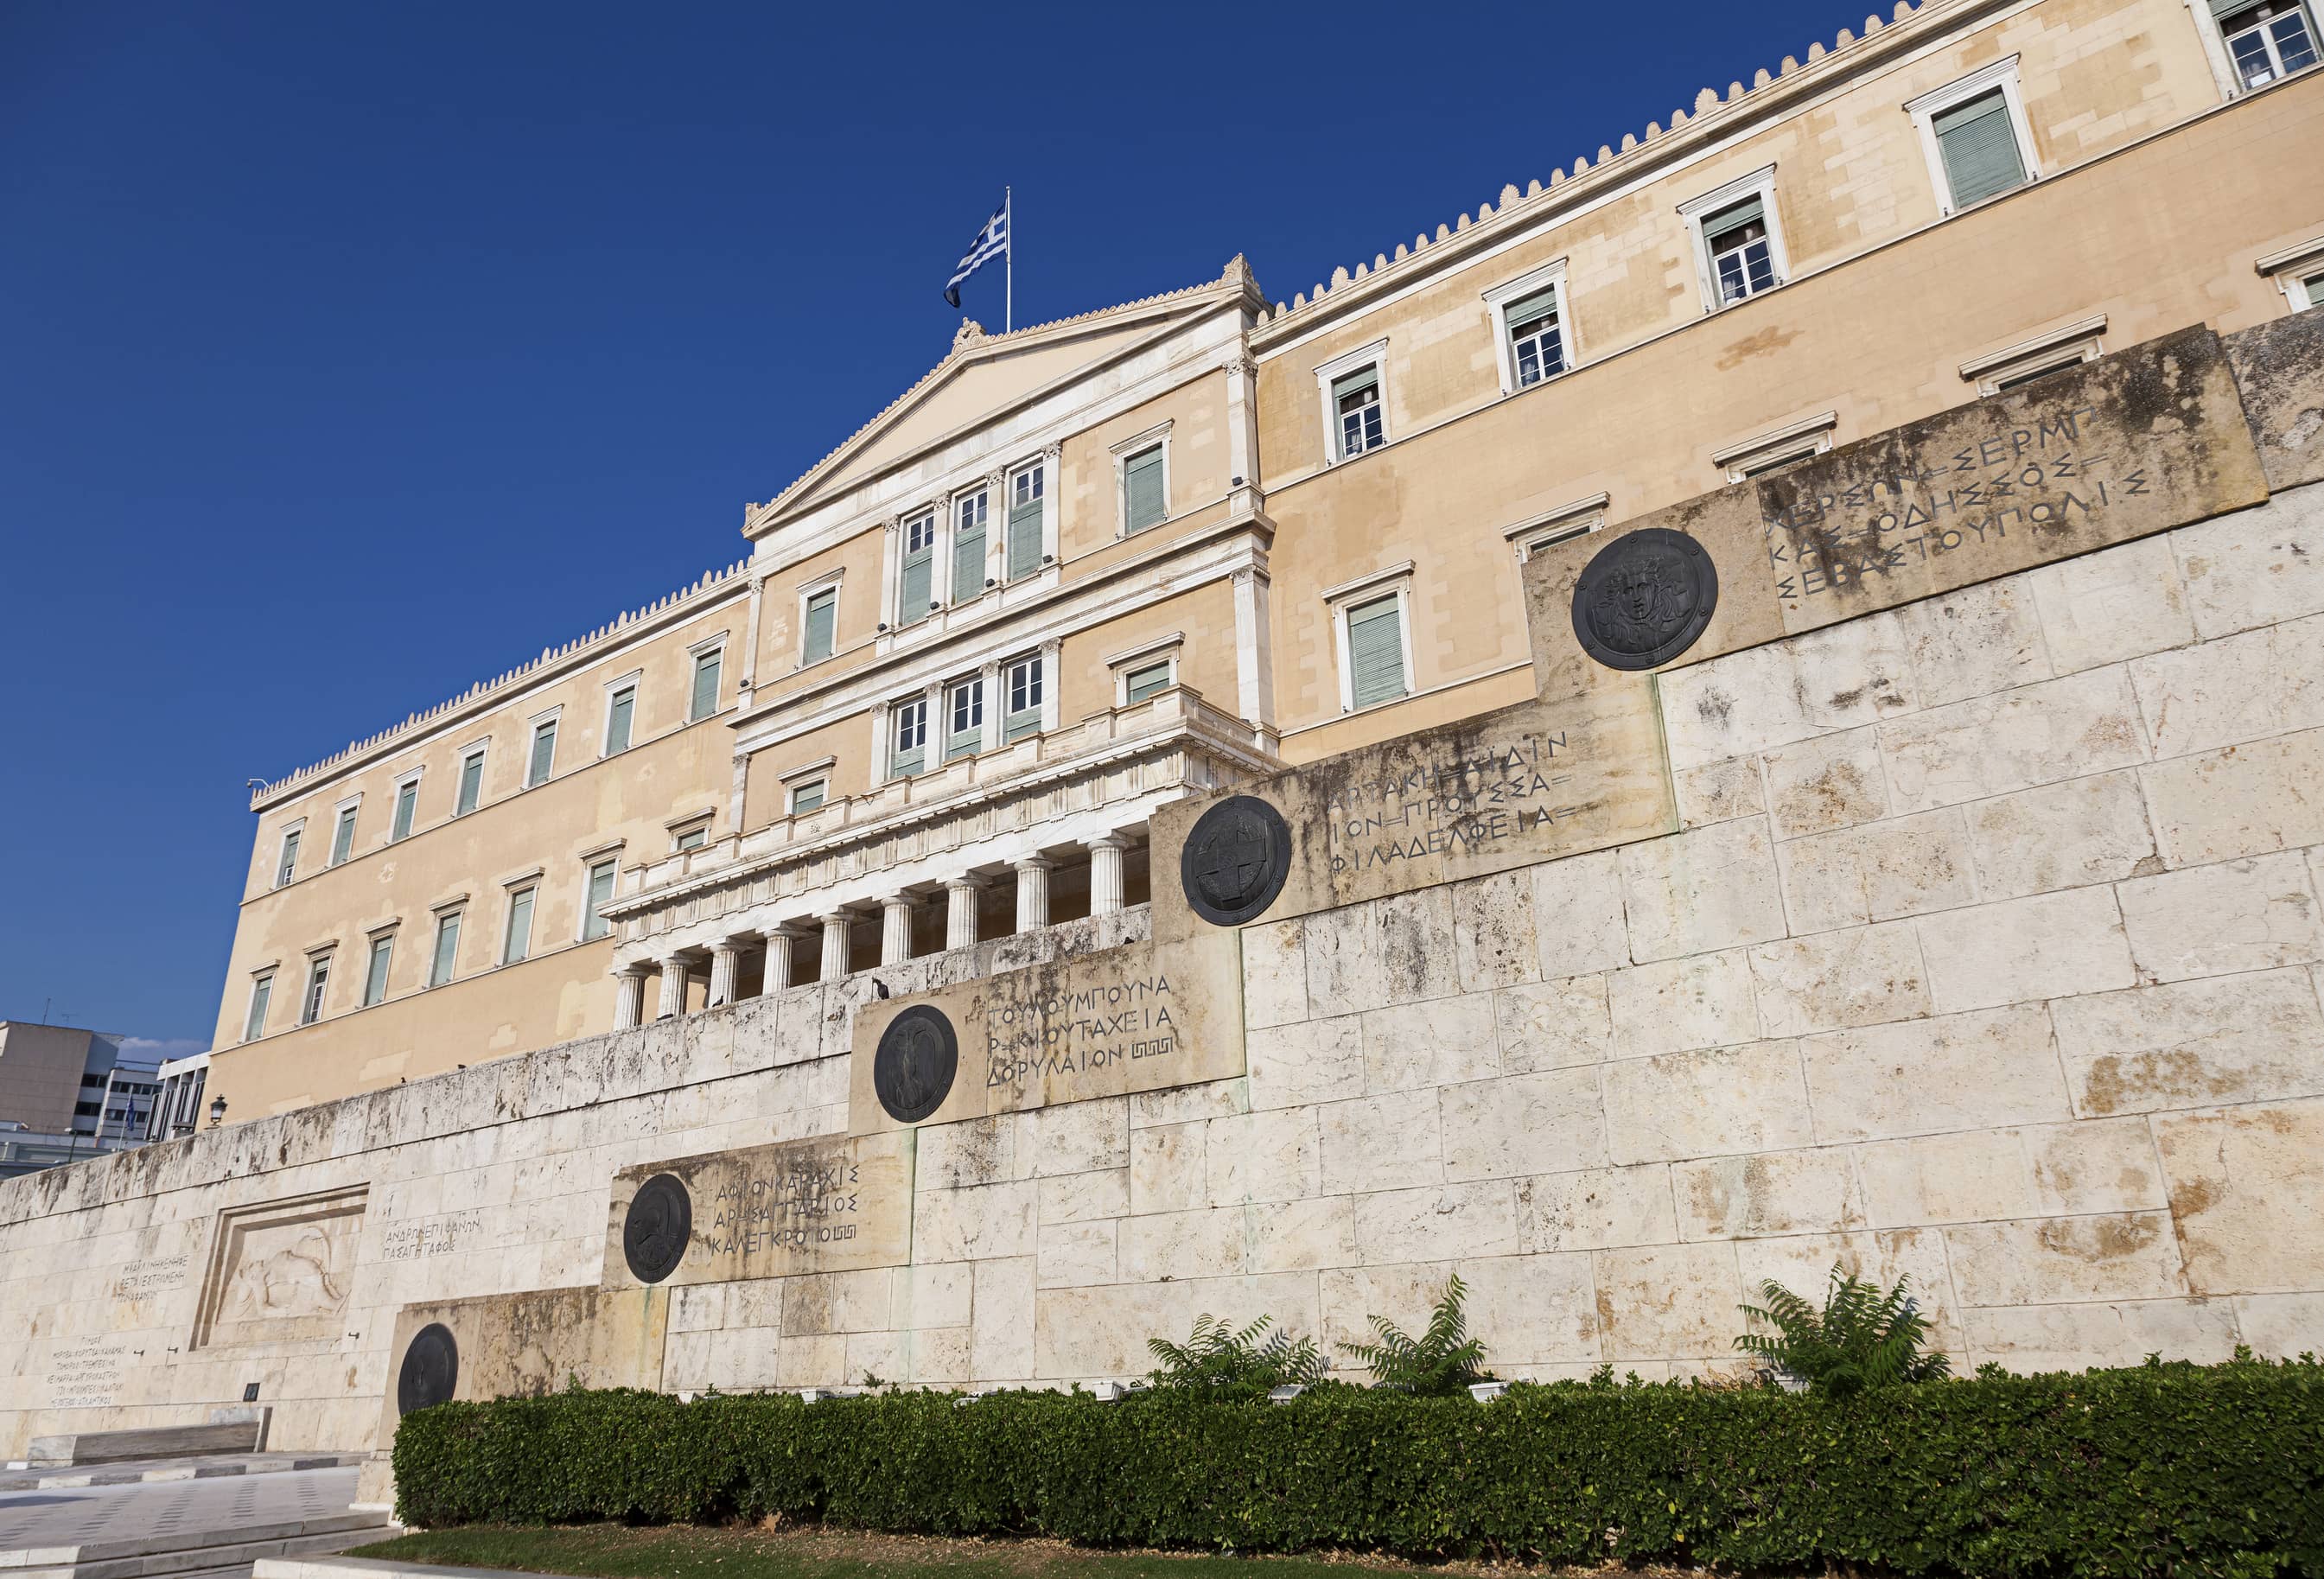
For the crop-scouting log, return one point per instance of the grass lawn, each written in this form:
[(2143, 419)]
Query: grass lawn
[(614, 1551)]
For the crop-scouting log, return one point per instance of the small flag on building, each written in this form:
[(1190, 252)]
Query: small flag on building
[(990, 242)]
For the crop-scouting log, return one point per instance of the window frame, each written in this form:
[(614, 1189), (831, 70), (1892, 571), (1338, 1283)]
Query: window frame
[(286, 853), (374, 967), (604, 855), (1581, 517), (1762, 453), (1124, 453), (2223, 69), (712, 649), (971, 686), (443, 972), (1037, 659), (513, 950), (976, 494), (1925, 109), (1160, 649), (1374, 356), (407, 783), (820, 784), (1361, 593), (315, 991), (344, 818), (475, 754), (2297, 271), (633, 685), (1549, 276), (934, 516), (808, 591), (897, 709), (259, 1004), (539, 724), (1761, 184), (1038, 468)]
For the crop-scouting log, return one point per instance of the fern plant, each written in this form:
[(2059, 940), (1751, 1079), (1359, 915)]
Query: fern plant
[(1441, 1363), (1862, 1338), (1223, 1361)]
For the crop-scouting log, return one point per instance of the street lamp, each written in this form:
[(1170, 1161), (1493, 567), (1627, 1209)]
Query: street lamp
[(218, 1111)]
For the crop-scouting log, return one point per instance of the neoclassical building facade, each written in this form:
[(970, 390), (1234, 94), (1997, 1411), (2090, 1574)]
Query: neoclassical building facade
[(1082, 571)]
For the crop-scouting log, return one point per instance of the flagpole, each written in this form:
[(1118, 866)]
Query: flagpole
[(1008, 260)]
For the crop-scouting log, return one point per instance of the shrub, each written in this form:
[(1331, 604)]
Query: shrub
[(1442, 1361), (1221, 1362), (1862, 1338), (2170, 1469)]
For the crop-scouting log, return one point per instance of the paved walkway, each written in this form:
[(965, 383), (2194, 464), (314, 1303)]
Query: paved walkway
[(84, 1515)]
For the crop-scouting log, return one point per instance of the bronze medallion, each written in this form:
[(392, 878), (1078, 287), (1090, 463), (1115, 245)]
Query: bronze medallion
[(655, 1233), (1644, 598), (431, 1370), (913, 1069), (1236, 859)]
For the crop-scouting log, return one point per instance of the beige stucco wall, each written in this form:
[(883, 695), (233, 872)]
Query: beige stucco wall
[(1879, 340)]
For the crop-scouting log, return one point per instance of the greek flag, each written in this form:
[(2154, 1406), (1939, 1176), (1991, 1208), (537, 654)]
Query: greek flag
[(992, 241)]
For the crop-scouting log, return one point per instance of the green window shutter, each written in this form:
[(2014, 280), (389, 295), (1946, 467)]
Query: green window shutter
[(407, 800), (1744, 213), (2222, 10), (518, 940), (968, 563), (806, 796), (448, 951), (472, 784), (1354, 384), (914, 589), (1142, 683), (544, 754), (906, 762), (822, 613), (343, 838), (289, 867), (617, 721), (1141, 481), (258, 997), (1375, 651), (375, 978), (1540, 304), (705, 687), (601, 894), (1979, 147), (1024, 538)]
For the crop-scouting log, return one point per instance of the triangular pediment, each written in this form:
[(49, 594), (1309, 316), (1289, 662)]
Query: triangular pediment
[(986, 376)]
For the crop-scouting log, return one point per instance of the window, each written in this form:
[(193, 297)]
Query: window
[(1762, 453), (593, 924), (915, 586), (692, 839), (318, 977), (965, 717), (447, 949), (1145, 680), (704, 700), (472, 782), (808, 797), (2051, 352), (288, 866), (343, 837), (2312, 288), (254, 1025), (621, 717), (2265, 42), (1145, 499), (908, 750), (544, 754), (1537, 339), (1025, 526), (1535, 533), (968, 547), (1372, 666), (1356, 406), (818, 625), (1020, 681), (1741, 264), (407, 802), (1975, 137), (383, 951), (518, 941)]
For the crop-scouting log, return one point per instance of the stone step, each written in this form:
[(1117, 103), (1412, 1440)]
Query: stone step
[(133, 1474), (203, 1553)]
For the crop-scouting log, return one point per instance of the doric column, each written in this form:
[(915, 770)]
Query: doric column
[(1032, 891), (779, 958), (725, 955), (1105, 872), (838, 935), (629, 998), (960, 910), (895, 929), (673, 987)]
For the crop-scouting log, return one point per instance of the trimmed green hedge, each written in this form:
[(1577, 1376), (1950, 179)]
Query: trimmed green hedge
[(2166, 1469)]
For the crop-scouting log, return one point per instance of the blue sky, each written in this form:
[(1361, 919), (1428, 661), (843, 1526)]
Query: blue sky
[(350, 354)]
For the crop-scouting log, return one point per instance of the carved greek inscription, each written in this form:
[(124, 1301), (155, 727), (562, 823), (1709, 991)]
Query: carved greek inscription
[(419, 1238), (1079, 1031), (85, 1373), (800, 1203), (1501, 793), (2044, 476), (155, 1275)]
